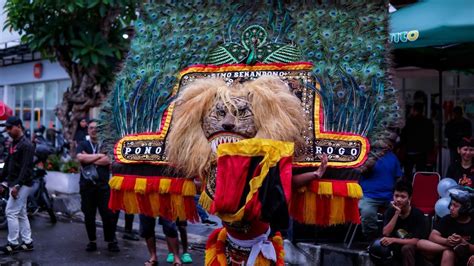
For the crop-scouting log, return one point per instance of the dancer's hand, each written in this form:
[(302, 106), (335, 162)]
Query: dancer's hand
[(322, 168)]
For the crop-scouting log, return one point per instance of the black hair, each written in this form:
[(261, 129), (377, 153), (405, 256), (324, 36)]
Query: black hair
[(92, 121), (403, 186), (466, 142)]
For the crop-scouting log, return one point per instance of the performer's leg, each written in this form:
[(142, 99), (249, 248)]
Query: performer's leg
[(171, 233), (147, 231)]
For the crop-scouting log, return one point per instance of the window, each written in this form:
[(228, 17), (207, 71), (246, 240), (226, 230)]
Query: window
[(35, 103)]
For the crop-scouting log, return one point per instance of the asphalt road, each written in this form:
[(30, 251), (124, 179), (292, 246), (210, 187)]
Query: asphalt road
[(64, 244)]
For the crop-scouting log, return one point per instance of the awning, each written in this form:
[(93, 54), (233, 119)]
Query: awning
[(435, 34)]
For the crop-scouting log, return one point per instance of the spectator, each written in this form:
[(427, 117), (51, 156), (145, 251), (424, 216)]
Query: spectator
[(456, 129), (17, 175), (81, 130), (95, 190), (417, 138), (147, 231), (463, 170), (403, 225), (377, 186), (452, 237)]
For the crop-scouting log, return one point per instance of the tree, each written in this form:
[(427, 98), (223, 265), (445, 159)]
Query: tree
[(85, 37)]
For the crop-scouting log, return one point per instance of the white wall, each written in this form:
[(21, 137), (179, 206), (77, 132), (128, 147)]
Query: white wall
[(23, 73)]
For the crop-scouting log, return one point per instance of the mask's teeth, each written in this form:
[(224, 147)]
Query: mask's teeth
[(214, 145)]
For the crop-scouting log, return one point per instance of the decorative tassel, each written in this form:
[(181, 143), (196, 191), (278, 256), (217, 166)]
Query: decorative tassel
[(140, 185), (354, 190), (327, 202), (325, 188), (165, 185), (205, 201), (189, 188), (116, 182), (172, 198)]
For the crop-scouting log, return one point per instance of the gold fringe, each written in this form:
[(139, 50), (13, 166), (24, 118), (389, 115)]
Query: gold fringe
[(325, 188), (140, 185), (337, 211), (154, 202), (310, 207), (354, 190), (130, 202), (177, 206), (116, 182), (189, 188), (205, 201), (164, 185)]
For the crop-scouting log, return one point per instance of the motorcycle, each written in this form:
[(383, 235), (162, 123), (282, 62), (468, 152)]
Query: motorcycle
[(40, 200)]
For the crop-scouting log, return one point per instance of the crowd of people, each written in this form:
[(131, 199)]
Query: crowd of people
[(403, 235), (387, 189), (94, 190)]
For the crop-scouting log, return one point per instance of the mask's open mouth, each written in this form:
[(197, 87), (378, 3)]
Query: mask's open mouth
[(223, 137)]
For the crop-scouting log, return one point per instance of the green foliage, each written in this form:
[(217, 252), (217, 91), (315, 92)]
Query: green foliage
[(55, 163), (84, 32)]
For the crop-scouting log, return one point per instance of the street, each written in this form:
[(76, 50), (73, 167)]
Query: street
[(64, 244)]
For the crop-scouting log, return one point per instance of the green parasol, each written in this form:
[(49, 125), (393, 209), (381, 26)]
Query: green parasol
[(434, 34)]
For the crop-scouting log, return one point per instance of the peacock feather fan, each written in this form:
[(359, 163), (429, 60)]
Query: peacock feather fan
[(347, 45)]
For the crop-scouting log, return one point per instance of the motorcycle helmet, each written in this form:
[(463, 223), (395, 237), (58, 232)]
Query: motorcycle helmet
[(464, 196), (380, 254)]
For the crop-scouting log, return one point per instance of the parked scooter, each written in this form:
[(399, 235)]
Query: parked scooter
[(40, 200)]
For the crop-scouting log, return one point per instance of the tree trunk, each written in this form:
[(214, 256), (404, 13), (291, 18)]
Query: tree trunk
[(85, 93)]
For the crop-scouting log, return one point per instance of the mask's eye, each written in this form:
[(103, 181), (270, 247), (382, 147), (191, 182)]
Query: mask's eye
[(244, 112), (220, 112)]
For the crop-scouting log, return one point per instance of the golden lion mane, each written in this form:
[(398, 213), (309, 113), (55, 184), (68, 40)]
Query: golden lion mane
[(277, 111)]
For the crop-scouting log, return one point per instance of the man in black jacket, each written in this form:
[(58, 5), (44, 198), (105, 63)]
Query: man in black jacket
[(17, 176)]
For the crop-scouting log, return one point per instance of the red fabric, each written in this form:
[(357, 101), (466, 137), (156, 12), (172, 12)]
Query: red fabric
[(5, 111), (351, 210), (339, 189), (323, 210), (230, 182), (145, 204), (176, 186), (286, 175), (425, 191), (190, 209), (212, 238), (253, 208), (152, 184), (165, 206), (116, 200), (296, 206)]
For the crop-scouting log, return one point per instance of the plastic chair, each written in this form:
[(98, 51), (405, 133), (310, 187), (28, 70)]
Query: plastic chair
[(425, 191)]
